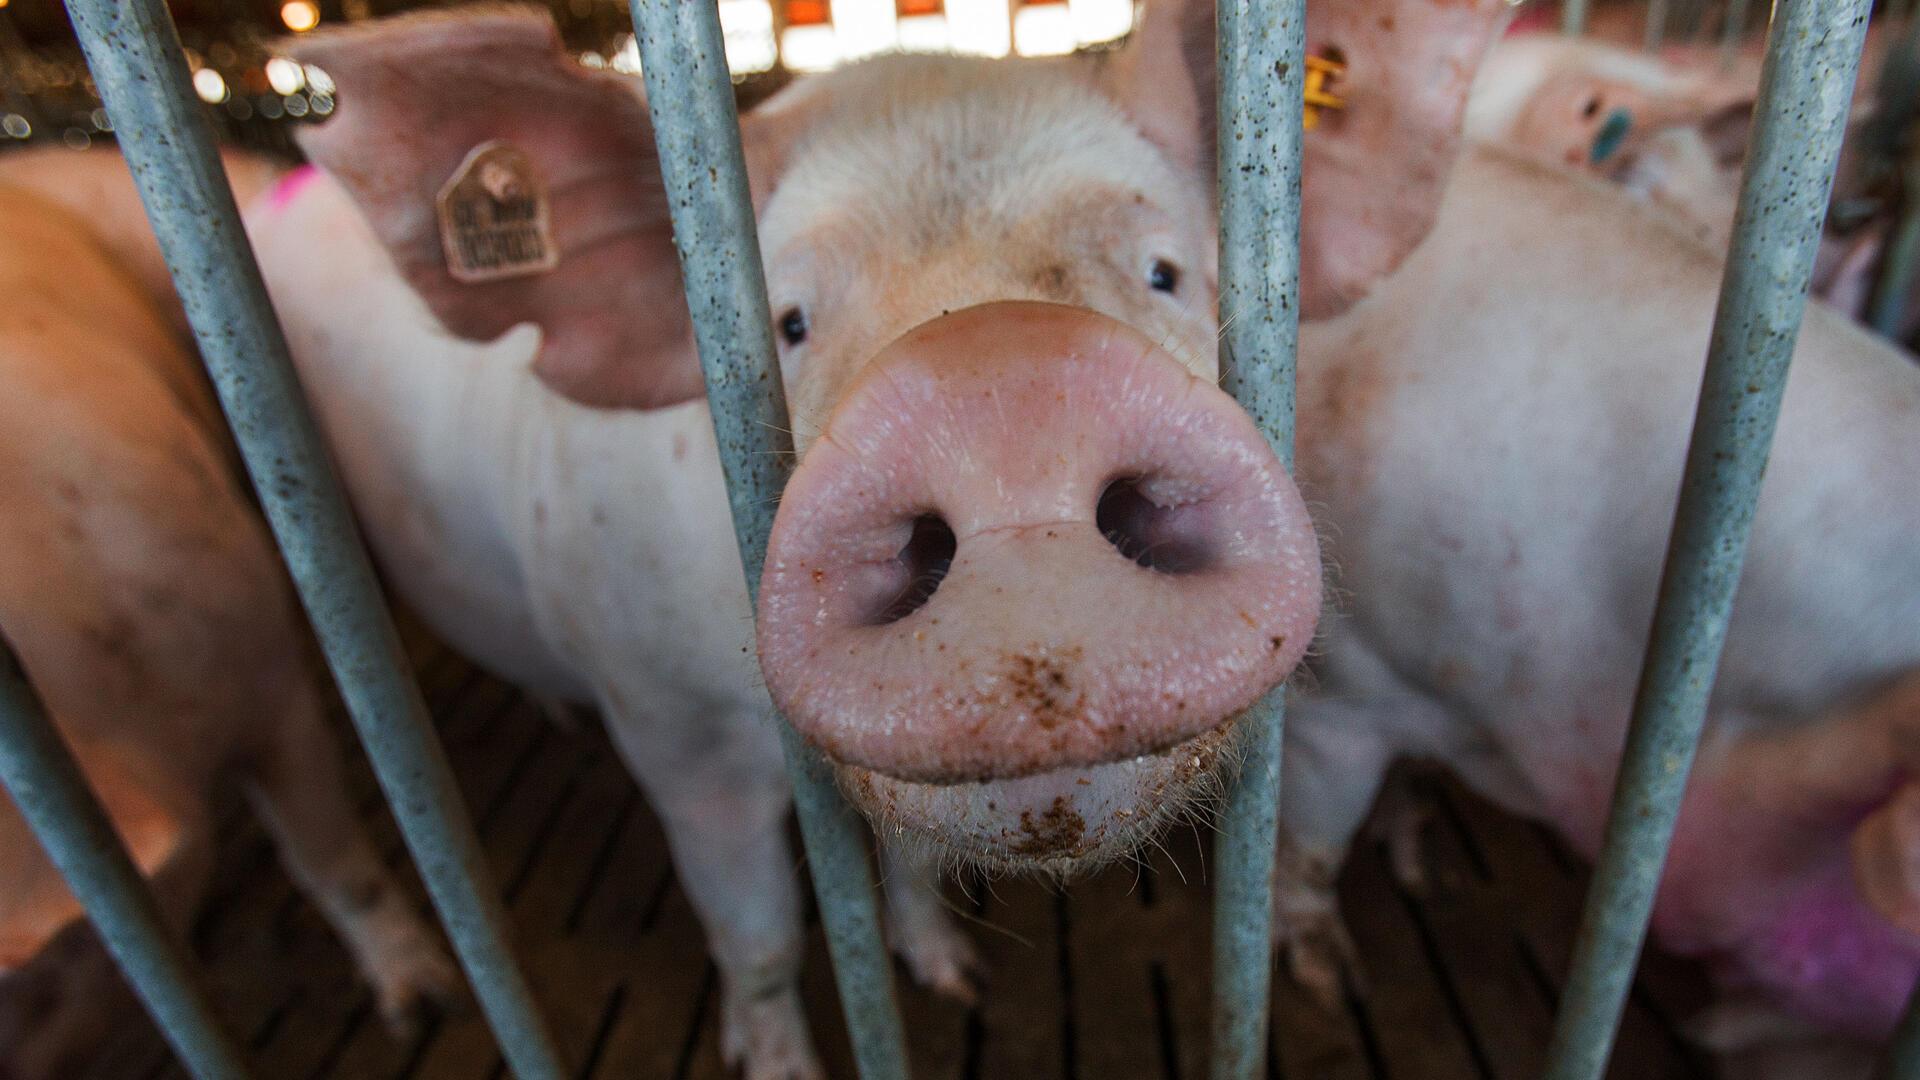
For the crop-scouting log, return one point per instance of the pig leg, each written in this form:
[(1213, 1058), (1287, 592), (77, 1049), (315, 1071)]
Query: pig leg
[(1400, 825), (920, 930), (1338, 749), (714, 774), (298, 788)]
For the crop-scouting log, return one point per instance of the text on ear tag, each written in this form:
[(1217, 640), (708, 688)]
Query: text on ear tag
[(1320, 75), (494, 220)]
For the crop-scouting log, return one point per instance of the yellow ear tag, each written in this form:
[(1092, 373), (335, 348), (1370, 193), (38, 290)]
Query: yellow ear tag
[(1320, 73)]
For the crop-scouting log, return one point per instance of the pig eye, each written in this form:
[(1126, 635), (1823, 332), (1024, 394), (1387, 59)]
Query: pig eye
[(793, 326), (1163, 276)]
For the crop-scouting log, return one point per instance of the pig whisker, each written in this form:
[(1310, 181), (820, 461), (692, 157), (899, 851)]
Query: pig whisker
[(1154, 839), (987, 924)]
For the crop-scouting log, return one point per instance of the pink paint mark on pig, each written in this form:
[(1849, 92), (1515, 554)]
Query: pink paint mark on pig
[(1830, 958), (290, 186), (1536, 21)]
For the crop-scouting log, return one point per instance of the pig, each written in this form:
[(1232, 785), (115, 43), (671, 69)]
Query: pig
[(1032, 564), (147, 604), (1672, 128), (1494, 439)]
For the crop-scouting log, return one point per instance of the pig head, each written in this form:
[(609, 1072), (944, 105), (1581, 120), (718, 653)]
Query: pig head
[(1032, 564)]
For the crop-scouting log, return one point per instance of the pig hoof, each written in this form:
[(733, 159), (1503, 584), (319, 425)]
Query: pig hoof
[(1407, 853), (942, 959), (766, 1038), (1321, 958), (413, 979)]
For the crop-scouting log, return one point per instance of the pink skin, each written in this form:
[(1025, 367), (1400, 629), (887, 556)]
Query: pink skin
[(1044, 647), (152, 613), (1797, 927)]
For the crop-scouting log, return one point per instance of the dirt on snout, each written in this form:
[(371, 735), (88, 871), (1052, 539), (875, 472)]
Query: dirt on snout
[(1057, 831), (1040, 682)]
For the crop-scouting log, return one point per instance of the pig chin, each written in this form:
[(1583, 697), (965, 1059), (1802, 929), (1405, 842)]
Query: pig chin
[(1056, 824)]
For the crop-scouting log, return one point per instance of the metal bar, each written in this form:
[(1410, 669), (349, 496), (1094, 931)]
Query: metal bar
[(1658, 15), (690, 97), (1260, 122), (1885, 136), (1733, 31), (1888, 309), (58, 805), (134, 52), (1573, 17), (1813, 55), (1901, 1059)]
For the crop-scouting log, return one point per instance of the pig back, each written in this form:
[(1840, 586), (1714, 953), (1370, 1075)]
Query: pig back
[(1499, 437), (135, 579)]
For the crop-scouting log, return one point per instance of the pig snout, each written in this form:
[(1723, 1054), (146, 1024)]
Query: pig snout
[(1029, 541)]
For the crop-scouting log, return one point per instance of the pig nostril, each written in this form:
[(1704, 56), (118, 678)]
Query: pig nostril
[(927, 558), (1156, 537)]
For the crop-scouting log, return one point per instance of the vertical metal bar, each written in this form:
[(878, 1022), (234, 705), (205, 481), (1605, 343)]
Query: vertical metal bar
[(1888, 308), (52, 794), (1886, 135), (1901, 1060), (1260, 120), (1658, 13), (1733, 30), (690, 97), (1813, 54), (1573, 17), (134, 52)]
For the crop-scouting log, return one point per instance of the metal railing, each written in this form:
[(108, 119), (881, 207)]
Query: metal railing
[(135, 54), (1806, 90), (690, 98), (1260, 128)]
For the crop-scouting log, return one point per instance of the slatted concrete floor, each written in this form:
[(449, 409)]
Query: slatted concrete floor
[(1107, 981)]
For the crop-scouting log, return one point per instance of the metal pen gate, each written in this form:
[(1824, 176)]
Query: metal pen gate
[(134, 52)]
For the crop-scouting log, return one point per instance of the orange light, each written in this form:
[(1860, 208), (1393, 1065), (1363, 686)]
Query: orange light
[(809, 12), (300, 15), (908, 8)]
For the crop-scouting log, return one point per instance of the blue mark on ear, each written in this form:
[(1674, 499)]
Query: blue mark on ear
[(1612, 133)]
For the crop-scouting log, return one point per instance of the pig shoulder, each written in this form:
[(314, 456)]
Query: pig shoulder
[(544, 538)]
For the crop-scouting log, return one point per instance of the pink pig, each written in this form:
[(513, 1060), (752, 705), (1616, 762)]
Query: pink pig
[(1032, 564), (149, 607), (1495, 437)]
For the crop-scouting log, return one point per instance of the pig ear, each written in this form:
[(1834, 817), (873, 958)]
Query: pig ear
[(36, 904), (1374, 169), (510, 185)]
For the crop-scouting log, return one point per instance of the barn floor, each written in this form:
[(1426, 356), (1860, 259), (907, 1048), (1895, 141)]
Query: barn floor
[(1108, 981)]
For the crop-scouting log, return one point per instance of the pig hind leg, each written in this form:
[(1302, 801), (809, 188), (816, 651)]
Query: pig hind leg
[(715, 776), (298, 787)]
